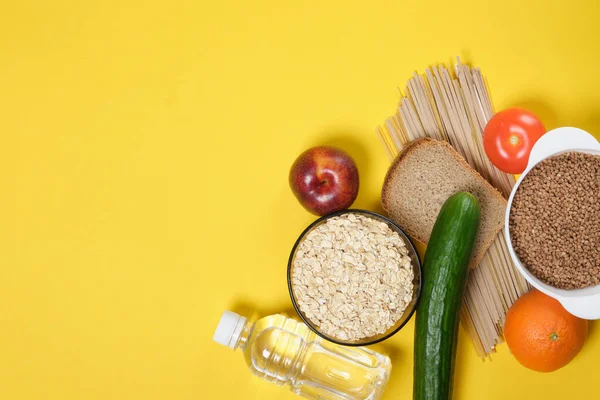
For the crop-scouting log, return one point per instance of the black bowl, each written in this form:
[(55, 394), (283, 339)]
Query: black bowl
[(408, 312)]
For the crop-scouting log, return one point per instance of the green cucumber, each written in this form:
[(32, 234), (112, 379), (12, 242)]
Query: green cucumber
[(445, 271)]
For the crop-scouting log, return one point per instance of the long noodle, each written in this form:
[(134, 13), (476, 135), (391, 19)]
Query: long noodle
[(455, 107)]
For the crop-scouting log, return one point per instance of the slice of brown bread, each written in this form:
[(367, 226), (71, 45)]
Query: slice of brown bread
[(420, 180)]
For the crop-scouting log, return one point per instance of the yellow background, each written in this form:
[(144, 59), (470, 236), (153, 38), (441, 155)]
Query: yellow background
[(144, 160)]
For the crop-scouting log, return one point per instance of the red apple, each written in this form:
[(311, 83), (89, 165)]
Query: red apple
[(324, 180)]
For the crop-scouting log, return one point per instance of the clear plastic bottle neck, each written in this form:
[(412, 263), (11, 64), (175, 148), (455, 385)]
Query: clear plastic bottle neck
[(244, 335)]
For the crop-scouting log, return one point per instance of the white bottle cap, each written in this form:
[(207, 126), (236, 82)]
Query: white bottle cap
[(229, 329)]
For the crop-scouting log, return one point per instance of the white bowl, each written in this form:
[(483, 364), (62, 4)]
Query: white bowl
[(583, 303)]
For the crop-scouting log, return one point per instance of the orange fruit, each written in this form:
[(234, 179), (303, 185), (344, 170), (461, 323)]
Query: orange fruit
[(541, 334)]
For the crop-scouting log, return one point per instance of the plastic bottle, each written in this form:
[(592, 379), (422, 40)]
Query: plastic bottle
[(286, 352)]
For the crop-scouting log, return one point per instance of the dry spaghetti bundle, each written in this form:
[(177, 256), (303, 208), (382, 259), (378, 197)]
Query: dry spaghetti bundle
[(456, 107)]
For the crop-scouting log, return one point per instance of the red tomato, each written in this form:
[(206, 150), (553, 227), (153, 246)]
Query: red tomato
[(508, 138)]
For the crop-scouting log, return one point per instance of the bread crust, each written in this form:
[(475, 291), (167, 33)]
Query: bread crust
[(423, 142)]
